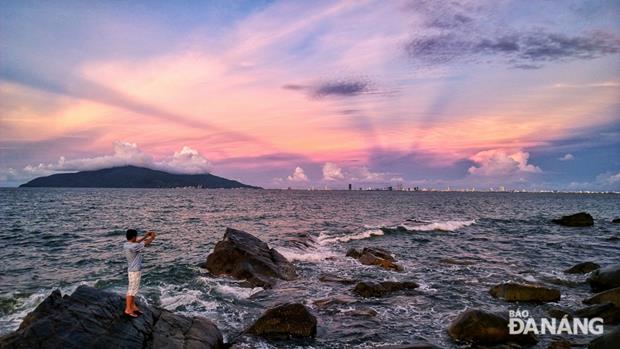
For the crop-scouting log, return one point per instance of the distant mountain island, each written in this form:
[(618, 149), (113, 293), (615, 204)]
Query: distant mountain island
[(133, 177)]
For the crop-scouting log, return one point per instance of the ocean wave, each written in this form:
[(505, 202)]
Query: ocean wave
[(325, 239), (440, 226), (172, 298), (318, 254), (237, 292)]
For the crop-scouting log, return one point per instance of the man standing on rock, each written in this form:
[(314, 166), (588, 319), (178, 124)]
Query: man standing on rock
[(133, 251)]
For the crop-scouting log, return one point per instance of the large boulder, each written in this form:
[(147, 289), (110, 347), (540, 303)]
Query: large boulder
[(246, 257), (483, 328), (91, 318), (609, 340), (582, 268), (605, 278), (609, 296), (380, 289), (375, 256), (515, 292), (581, 219), (291, 320)]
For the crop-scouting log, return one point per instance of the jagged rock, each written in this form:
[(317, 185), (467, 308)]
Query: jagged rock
[(609, 296), (582, 268), (609, 312), (416, 345), (609, 340), (336, 279), (383, 288), (615, 220), (482, 328), (375, 256), (398, 229), (581, 219), (92, 318), (605, 278), (515, 292), (285, 321), (244, 256)]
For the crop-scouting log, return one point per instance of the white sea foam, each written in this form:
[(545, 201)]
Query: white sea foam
[(326, 240), (312, 255), (440, 226), (172, 298), (237, 292)]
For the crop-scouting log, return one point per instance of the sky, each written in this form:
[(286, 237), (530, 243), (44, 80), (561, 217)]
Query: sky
[(314, 94)]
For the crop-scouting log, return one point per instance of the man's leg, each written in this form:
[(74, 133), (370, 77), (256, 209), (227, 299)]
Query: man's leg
[(129, 300), (132, 290), (137, 277)]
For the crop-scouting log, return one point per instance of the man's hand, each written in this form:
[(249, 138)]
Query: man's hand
[(149, 237)]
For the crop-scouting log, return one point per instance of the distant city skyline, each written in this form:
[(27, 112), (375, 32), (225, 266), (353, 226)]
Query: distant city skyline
[(430, 94)]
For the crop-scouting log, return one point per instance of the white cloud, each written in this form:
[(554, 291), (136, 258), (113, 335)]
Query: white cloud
[(298, 175), (187, 160), (501, 162), (567, 157), (332, 172)]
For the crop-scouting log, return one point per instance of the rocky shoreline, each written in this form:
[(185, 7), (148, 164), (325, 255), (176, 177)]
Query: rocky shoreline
[(93, 318)]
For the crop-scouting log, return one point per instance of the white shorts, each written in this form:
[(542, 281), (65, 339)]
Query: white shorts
[(134, 282)]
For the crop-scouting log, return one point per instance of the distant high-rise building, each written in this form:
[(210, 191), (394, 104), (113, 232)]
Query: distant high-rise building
[(350, 186)]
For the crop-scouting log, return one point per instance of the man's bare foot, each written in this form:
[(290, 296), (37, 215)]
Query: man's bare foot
[(137, 310), (125, 313)]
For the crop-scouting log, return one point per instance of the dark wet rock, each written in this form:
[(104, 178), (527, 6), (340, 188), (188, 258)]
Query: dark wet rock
[(615, 220), (609, 340), (456, 261), (375, 256), (515, 292), (609, 296), (609, 312), (92, 318), (380, 289), (582, 268), (330, 302), (581, 219), (291, 320), (483, 328), (416, 345), (560, 344), (605, 278), (398, 229), (558, 312), (336, 279), (244, 256)]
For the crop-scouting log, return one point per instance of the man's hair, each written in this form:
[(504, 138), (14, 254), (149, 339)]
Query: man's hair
[(131, 233)]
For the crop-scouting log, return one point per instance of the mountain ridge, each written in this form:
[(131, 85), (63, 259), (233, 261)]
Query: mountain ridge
[(133, 177)]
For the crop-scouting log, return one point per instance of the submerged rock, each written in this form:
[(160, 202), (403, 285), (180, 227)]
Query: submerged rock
[(244, 256), (515, 292), (581, 219), (456, 261), (605, 278), (380, 289), (483, 328), (361, 312), (92, 318), (609, 340), (325, 303), (582, 268), (336, 279), (609, 296), (616, 220), (291, 320), (398, 229), (375, 256)]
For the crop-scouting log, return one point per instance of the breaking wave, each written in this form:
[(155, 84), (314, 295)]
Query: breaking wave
[(441, 226)]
